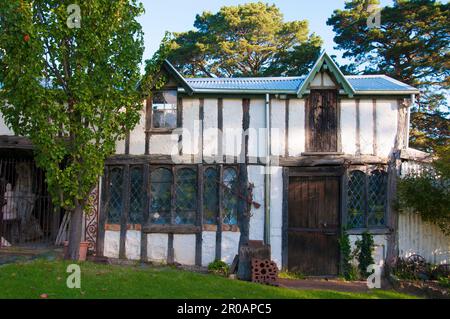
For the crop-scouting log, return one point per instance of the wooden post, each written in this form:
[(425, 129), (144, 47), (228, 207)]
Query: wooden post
[(146, 186), (198, 235), (103, 212), (125, 211), (219, 218), (285, 215)]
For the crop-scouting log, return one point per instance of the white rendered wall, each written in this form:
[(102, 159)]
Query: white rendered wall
[(208, 247), (4, 129), (120, 147), (296, 127), (386, 126), (210, 126), (165, 144), (380, 247), (366, 126), (111, 244), (184, 249), (232, 126), (191, 126), (278, 127), (133, 245), (348, 126), (137, 135), (256, 177), (157, 247), (230, 245), (257, 135), (276, 213)]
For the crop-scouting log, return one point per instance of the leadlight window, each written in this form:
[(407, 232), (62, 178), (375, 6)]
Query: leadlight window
[(164, 109), (116, 195), (230, 198), (136, 196), (210, 196), (161, 195), (367, 199), (185, 196)]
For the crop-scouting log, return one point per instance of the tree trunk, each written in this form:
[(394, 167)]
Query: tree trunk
[(75, 230)]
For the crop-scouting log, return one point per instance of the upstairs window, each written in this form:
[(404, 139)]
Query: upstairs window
[(164, 110)]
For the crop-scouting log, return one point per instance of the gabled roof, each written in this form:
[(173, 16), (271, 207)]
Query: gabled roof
[(351, 84), (326, 63)]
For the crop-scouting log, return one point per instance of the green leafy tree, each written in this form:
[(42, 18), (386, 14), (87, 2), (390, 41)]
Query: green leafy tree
[(411, 45), (72, 91), (428, 192), (245, 40)]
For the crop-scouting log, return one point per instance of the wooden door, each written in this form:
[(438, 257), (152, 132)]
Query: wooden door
[(313, 225), (321, 117)]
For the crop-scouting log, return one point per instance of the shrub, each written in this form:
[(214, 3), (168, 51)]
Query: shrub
[(365, 247), (219, 267), (346, 255)]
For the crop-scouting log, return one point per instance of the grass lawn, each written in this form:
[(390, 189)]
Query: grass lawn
[(32, 279)]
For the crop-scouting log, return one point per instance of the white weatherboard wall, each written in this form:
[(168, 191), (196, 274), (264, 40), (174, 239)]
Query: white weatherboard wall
[(137, 135), (133, 245), (257, 135), (418, 237), (230, 245), (256, 177), (208, 247), (296, 127), (348, 126), (184, 249), (278, 127), (191, 126), (157, 247), (276, 213), (386, 126), (366, 126), (232, 126), (111, 244), (210, 126)]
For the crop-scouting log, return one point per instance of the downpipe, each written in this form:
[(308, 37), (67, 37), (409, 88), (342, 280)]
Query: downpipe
[(267, 172)]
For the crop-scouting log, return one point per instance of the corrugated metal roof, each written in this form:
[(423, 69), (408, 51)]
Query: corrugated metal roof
[(360, 83), (247, 84), (377, 83)]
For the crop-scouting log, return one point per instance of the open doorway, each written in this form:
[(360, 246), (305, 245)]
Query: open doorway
[(27, 216)]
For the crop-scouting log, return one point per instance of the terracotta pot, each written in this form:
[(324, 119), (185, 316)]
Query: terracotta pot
[(83, 250), (84, 245)]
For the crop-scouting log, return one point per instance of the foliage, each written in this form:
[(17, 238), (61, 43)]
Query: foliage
[(245, 40), (349, 271), (219, 267), (411, 45), (291, 275), (444, 282), (365, 247), (72, 91), (428, 192), (99, 281)]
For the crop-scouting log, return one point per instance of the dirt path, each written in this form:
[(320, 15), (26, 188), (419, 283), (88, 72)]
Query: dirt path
[(323, 284)]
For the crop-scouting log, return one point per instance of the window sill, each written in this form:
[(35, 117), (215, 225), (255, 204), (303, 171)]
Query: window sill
[(172, 229), (321, 153), (372, 231), (116, 227), (161, 130)]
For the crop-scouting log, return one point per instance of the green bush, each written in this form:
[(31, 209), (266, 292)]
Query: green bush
[(365, 247), (219, 267)]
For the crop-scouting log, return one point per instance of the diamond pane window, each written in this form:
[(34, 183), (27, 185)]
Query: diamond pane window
[(136, 196), (377, 194), (210, 196), (186, 196), (230, 199), (356, 200), (115, 194), (161, 194)]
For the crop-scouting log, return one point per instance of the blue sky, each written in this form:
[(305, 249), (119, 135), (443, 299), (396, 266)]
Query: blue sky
[(179, 15)]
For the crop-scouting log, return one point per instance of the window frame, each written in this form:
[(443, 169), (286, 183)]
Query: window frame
[(367, 171), (163, 130)]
